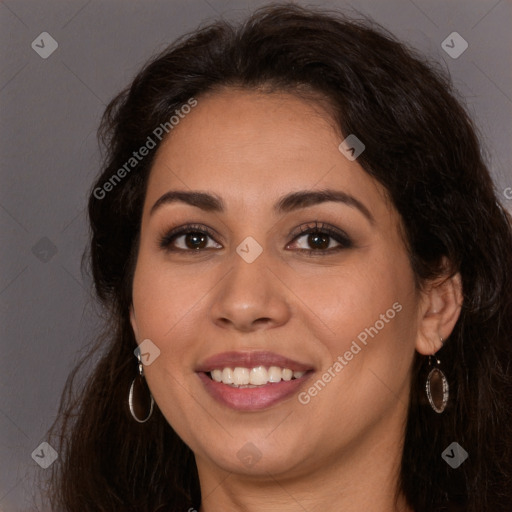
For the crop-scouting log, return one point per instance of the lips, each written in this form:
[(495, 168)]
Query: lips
[(250, 360), (252, 397)]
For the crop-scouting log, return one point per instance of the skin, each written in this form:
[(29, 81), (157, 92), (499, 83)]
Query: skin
[(340, 451)]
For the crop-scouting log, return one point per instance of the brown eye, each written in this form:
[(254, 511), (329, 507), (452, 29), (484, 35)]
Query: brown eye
[(195, 240), (187, 239), (318, 240), (322, 239)]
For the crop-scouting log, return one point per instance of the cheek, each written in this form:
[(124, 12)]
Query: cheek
[(368, 322), (370, 345), (348, 301), (164, 304), (163, 297)]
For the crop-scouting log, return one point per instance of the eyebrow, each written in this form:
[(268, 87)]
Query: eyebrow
[(288, 203)]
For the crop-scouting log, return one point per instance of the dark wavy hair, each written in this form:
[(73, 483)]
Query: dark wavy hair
[(421, 145)]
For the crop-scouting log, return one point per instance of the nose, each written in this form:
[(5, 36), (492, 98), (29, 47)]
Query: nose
[(250, 297)]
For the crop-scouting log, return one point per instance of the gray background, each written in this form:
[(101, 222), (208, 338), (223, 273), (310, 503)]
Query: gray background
[(50, 110)]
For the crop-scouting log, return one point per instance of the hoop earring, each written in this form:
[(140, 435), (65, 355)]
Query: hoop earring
[(437, 387), (138, 389)]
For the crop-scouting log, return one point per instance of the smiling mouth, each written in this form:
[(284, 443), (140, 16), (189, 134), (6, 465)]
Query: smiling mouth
[(241, 377), (252, 389), (252, 381)]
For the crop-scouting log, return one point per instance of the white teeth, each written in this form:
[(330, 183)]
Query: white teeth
[(241, 376), (274, 374), (257, 376), (287, 374), (227, 376)]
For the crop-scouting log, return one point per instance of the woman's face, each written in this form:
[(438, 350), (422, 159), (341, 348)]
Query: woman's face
[(249, 295)]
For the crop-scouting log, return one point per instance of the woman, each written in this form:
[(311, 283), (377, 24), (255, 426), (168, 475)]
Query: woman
[(308, 276)]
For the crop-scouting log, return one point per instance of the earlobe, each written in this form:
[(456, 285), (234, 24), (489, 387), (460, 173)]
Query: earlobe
[(439, 312)]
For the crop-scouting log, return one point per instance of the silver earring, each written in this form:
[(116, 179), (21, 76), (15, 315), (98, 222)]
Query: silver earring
[(137, 398), (437, 386)]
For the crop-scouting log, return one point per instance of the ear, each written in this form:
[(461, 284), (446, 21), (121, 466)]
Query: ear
[(439, 311), (133, 321)]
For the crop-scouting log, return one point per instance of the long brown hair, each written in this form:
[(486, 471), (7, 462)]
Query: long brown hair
[(420, 144)]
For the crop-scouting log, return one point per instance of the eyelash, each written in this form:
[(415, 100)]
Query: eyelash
[(318, 228)]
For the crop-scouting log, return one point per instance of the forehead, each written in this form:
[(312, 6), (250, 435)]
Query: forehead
[(252, 147)]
